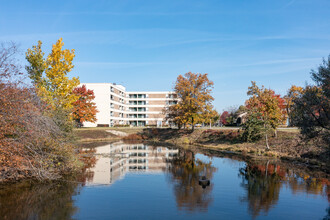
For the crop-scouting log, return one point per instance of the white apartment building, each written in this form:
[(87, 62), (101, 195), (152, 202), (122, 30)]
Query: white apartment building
[(117, 106)]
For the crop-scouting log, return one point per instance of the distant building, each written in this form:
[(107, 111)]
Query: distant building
[(241, 118), (116, 106)]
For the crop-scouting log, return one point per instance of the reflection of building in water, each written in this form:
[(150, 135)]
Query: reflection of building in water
[(115, 160)]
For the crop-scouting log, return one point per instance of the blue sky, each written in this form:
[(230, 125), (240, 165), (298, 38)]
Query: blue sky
[(145, 45)]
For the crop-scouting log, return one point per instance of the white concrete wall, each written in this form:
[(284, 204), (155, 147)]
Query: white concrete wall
[(102, 100)]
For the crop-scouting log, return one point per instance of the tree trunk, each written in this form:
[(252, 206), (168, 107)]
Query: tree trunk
[(275, 133), (266, 135), (192, 124)]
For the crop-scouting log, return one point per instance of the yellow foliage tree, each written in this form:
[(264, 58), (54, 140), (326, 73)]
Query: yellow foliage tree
[(194, 104), (50, 75)]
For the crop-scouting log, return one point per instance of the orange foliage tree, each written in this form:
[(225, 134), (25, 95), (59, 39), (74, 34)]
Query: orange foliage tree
[(194, 93), (269, 106), (84, 109)]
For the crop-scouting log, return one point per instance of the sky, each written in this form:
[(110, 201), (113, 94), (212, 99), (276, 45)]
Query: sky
[(144, 45)]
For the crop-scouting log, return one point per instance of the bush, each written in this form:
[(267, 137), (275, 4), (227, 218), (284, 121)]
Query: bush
[(252, 128), (34, 141)]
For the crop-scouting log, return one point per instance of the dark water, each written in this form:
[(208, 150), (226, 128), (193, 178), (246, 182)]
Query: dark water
[(136, 181)]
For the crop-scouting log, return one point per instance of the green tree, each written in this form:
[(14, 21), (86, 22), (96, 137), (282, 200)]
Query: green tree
[(253, 128), (292, 94), (312, 107)]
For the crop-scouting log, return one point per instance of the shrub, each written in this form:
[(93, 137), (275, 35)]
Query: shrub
[(34, 142), (252, 128)]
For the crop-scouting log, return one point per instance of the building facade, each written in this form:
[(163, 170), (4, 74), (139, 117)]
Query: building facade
[(117, 106)]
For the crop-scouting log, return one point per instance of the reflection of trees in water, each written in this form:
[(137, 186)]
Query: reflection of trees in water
[(52, 200), (185, 173), (87, 156), (38, 201), (263, 187), (301, 182), (263, 182)]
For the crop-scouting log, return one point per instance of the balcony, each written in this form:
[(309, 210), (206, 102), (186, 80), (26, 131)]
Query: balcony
[(138, 96), (137, 109), (138, 103)]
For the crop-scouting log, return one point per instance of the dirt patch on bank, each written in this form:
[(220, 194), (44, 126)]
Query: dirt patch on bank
[(94, 135)]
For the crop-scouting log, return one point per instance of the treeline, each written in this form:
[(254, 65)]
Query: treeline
[(307, 107), (37, 120)]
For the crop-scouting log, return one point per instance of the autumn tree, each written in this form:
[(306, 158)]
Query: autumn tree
[(223, 117), (49, 76), (293, 93), (84, 109), (31, 144), (208, 117), (270, 106), (312, 107), (174, 115), (194, 93)]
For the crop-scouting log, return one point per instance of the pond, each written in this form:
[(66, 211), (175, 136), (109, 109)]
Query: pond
[(139, 181)]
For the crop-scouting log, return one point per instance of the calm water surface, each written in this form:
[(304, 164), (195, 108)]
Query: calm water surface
[(137, 181)]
